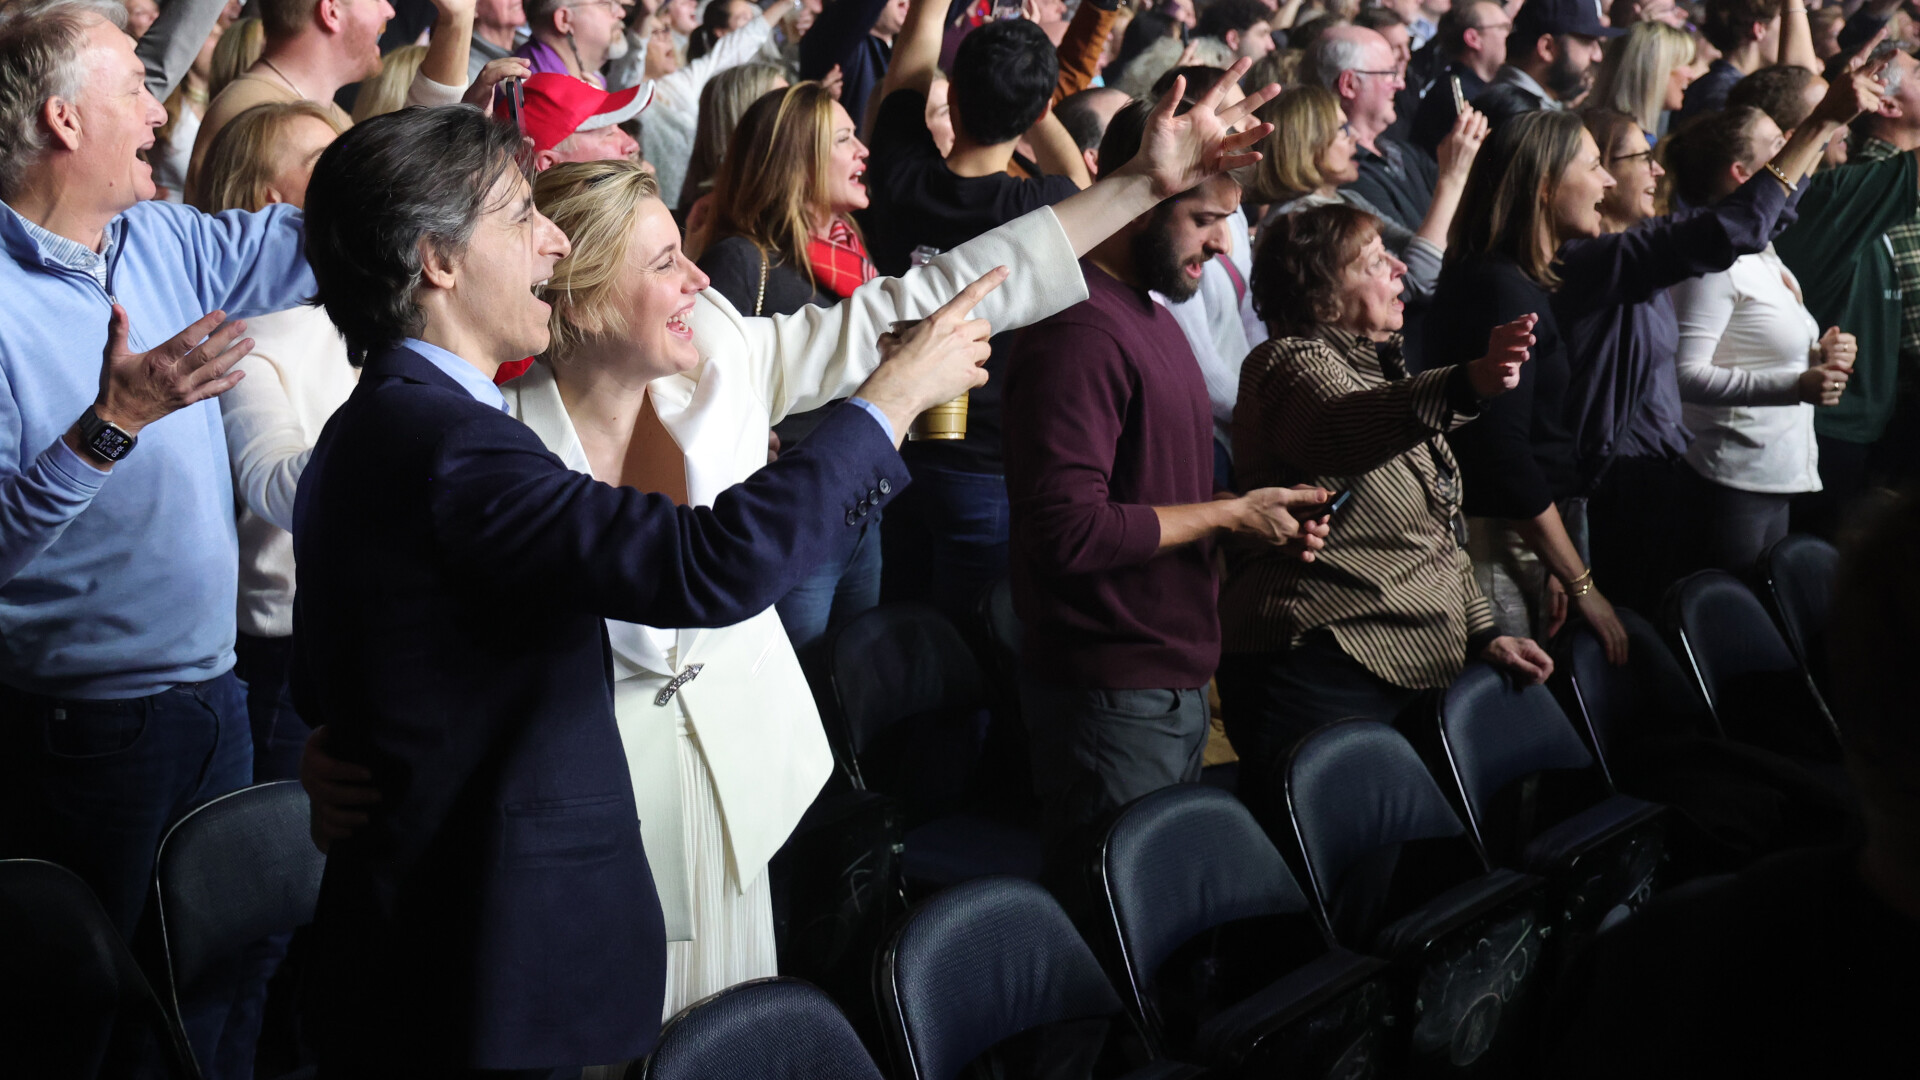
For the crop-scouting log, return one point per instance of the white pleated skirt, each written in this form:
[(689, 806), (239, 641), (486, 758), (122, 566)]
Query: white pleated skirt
[(732, 930)]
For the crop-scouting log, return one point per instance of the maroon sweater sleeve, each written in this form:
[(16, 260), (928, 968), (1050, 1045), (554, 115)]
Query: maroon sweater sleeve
[(1066, 403)]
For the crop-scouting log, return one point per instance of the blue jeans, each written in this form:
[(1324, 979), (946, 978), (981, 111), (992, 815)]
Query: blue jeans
[(946, 539), (94, 785), (833, 594)]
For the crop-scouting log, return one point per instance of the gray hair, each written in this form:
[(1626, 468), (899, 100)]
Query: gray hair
[(1330, 56), (40, 47)]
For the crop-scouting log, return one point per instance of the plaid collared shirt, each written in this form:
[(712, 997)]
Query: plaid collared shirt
[(1905, 240), (1393, 584)]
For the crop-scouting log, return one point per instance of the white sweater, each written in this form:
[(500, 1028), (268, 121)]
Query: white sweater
[(296, 377), (1745, 337)]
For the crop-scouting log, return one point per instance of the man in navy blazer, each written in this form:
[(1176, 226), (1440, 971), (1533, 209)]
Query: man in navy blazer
[(497, 915)]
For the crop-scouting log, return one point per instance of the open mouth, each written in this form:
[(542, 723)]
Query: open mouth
[(677, 324), (1195, 269)]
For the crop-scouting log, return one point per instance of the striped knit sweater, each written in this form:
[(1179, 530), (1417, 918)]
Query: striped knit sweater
[(1393, 585)]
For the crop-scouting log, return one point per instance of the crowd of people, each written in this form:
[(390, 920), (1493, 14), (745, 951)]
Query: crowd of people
[(487, 411)]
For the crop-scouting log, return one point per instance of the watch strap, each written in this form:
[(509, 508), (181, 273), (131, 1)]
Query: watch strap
[(105, 439)]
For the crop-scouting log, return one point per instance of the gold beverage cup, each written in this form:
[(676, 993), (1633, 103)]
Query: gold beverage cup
[(944, 421)]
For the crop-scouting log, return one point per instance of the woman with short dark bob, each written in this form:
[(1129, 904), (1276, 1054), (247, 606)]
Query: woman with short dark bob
[(1389, 608)]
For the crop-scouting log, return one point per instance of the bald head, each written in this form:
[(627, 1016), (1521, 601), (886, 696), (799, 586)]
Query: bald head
[(1357, 64)]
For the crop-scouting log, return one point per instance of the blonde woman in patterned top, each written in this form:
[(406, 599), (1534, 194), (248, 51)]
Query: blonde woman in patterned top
[(1389, 609)]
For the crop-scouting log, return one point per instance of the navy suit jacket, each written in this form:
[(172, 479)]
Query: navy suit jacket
[(498, 912)]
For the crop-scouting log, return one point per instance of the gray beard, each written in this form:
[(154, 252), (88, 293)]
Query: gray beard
[(620, 47)]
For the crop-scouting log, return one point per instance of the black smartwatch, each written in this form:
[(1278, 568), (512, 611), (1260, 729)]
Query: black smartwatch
[(107, 440)]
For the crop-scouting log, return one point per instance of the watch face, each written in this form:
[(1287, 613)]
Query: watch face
[(110, 442)]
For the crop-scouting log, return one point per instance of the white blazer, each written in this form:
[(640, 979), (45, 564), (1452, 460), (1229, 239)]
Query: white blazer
[(750, 706)]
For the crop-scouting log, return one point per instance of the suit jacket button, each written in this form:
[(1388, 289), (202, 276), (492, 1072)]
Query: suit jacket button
[(886, 487), (873, 496), (853, 517)]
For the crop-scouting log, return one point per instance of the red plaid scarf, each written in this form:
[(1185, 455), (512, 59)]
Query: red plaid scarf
[(839, 261)]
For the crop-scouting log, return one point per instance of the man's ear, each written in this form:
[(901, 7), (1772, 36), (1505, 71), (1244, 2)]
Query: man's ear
[(435, 268), (272, 195), (544, 160), (1546, 49), (1092, 158), (62, 119), (1470, 37), (329, 15), (1889, 107), (1232, 38), (1758, 31), (563, 20), (1347, 85)]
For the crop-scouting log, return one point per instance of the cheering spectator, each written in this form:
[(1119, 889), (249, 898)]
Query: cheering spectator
[(1473, 40), (1241, 25), (856, 36), (1553, 51), (297, 376), (722, 102), (1389, 608), (116, 501), (721, 17), (576, 39), (315, 47), (1750, 34), (1646, 75), (568, 120), (497, 32), (667, 136), (1113, 514), (946, 540)]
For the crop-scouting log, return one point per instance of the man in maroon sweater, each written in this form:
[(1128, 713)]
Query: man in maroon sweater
[(1108, 440)]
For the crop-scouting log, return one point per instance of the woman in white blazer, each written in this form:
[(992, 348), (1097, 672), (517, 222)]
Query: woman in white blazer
[(656, 381)]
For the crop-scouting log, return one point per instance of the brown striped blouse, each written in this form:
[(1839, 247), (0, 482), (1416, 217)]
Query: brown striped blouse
[(1393, 585)]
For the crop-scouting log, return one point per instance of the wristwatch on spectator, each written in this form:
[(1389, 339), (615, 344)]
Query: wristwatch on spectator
[(107, 440)]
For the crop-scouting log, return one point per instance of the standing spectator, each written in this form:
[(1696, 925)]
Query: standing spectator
[(667, 136), (1753, 364), (315, 47), (1893, 130), (723, 101), (1842, 254), (1389, 608), (946, 539), (721, 17), (1110, 474), (497, 32), (1473, 42), (1358, 65), (1085, 115), (569, 120), (119, 709), (574, 38), (1750, 34), (1239, 24), (297, 376), (1646, 75), (1553, 51), (855, 36), (1393, 27)]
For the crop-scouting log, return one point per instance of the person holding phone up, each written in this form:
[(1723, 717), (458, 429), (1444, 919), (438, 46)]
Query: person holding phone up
[(1389, 607)]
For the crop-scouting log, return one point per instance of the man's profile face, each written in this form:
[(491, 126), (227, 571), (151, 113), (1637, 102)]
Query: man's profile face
[(512, 251), (117, 118), (1182, 236)]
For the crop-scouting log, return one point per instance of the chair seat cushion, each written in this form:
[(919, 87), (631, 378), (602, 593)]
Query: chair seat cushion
[(1453, 909), (1587, 830), (963, 846), (1298, 994)]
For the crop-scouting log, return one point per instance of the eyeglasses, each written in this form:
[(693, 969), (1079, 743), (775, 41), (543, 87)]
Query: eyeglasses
[(1648, 154), (619, 9)]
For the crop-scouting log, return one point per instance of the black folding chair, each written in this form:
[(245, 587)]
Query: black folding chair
[(1537, 801), (233, 872), (1754, 686), (1800, 572), (1220, 955), (1394, 872), (915, 710), (73, 1002), (1614, 706), (767, 1029)]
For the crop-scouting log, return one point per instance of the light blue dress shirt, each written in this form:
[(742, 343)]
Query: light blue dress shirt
[(460, 371)]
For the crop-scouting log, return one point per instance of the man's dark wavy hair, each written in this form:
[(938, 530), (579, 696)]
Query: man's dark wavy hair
[(382, 189)]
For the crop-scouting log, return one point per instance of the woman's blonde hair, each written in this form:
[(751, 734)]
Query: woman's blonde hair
[(1506, 208), (387, 91), (772, 187), (1305, 120), (243, 157), (722, 102), (596, 204), (1633, 77), (238, 50)]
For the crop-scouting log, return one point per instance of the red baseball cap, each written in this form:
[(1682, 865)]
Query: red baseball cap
[(559, 105)]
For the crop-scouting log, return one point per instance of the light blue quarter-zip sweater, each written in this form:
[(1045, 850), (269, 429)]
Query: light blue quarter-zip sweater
[(120, 584)]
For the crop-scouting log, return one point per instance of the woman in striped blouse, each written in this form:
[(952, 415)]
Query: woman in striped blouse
[(1389, 609)]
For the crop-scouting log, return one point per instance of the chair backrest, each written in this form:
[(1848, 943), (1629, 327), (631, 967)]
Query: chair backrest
[(905, 667), (977, 964), (1496, 733), (1650, 695), (1356, 791), (72, 1000), (1800, 571), (1750, 678), (769, 1029), (233, 871)]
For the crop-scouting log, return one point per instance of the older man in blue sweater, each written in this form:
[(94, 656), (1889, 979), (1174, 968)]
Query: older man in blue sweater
[(119, 710)]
